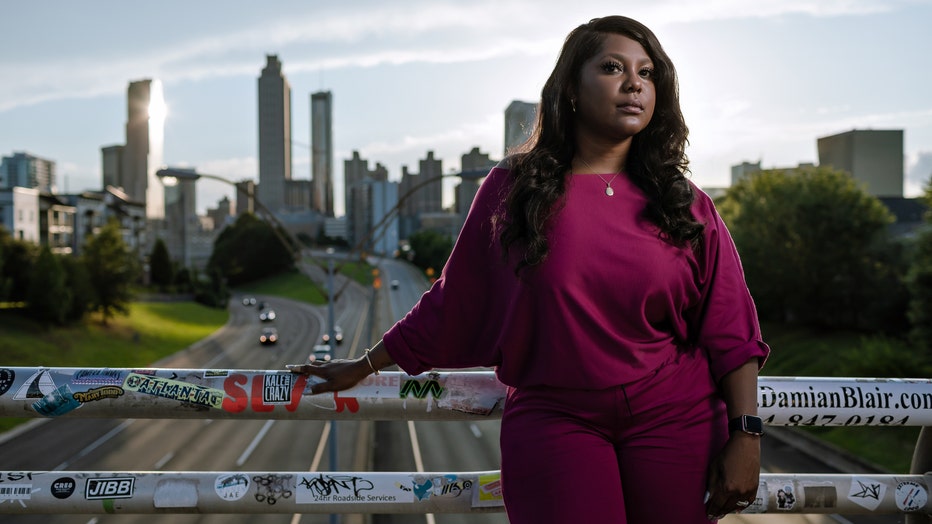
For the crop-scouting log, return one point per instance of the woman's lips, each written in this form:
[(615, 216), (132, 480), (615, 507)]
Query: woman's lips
[(631, 108)]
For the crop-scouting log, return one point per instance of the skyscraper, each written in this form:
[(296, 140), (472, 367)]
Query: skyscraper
[(322, 152), (25, 170), (274, 134), (142, 155), (356, 171), (111, 162), (520, 119)]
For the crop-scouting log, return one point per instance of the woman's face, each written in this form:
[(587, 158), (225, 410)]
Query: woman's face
[(616, 94)]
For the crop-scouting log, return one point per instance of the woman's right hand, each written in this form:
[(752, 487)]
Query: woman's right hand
[(337, 374)]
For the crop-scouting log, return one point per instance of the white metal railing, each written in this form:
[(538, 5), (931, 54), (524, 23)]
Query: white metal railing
[(278, 394)]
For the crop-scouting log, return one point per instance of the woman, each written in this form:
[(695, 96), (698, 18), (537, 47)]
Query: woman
[(607, 293)]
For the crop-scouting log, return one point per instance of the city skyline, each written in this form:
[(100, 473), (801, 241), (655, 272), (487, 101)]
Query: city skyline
[(758, 82)]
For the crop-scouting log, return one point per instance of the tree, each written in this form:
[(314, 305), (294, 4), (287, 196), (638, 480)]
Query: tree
[(78, 282), (211, 291), (250, 249), (431, 249), (47, 297), (811, 242), (112, 271), (5, 282), (161, 272), (18, 258), (920, 284)]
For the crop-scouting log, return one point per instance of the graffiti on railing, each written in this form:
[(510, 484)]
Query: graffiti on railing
[(395, 492)]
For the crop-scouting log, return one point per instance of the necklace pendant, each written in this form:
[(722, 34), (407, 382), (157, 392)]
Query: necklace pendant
[(609, 191)]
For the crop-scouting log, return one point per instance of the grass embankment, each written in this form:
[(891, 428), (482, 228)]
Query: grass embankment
[(295, 286), (805, 352), (151, 331)]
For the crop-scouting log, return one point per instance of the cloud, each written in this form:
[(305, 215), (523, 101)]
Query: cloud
[(364, 34), (918, 172)]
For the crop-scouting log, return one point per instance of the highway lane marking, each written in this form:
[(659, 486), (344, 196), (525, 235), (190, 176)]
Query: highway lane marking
[(164, 460), (475, 430), (96, 444), (418, 461), (255, 442), (315, 463), (321, 444)]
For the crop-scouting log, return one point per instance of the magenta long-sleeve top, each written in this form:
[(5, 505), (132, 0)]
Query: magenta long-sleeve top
[(610, 303)]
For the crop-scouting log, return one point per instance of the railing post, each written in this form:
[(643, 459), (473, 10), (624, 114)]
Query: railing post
[(921, 465)]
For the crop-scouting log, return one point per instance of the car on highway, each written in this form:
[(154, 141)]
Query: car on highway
[(394, 284), (337, 335), (267, 315), (321, 352), (249, 301), (268, 336)]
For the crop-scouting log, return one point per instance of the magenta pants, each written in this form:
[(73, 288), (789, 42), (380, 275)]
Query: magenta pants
[(632, 454)]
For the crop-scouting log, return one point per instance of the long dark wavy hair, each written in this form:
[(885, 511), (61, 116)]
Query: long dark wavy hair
[(656, 162)]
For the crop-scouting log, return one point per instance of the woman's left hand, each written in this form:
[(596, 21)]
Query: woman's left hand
[(734, 476)]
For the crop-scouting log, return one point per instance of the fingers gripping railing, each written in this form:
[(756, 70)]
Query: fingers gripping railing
[(269, 394)]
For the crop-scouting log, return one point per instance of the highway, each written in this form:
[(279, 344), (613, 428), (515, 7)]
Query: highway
[(248, 445)]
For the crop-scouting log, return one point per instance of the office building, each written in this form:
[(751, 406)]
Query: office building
[(25, 170), (274, 134), (222, 215), (143, 153), (371, 228), (297, 196), (873, 157), (744, 170), (475, 165), (322, 152), (245, 197), (520, 119), (111, 162), (355, 171), (420, 193), (181, 219)]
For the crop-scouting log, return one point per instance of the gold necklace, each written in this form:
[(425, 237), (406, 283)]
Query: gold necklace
[(608, 184)]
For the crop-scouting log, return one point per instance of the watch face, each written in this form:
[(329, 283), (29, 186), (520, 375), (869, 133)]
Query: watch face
[(753, 424)]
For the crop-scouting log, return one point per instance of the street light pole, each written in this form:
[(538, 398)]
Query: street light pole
[(334, 518)]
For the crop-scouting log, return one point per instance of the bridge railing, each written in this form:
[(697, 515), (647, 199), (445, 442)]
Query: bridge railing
[(50, 392)]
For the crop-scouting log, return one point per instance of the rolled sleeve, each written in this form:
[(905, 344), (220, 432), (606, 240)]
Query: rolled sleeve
[(726, 321)]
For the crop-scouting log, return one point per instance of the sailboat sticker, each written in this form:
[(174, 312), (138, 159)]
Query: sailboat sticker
[(38, 385)]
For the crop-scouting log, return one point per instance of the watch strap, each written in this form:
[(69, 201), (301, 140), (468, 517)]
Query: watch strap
[(750, 424)]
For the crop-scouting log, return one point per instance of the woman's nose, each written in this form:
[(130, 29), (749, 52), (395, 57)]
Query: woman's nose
[(632, 84)]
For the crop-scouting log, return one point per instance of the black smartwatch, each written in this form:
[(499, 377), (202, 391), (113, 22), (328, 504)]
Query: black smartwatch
[(747, 423)]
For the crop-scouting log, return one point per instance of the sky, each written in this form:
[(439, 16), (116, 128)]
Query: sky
[(760, 81)]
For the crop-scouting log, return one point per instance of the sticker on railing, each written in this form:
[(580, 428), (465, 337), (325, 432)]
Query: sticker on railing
[(866, 492), (910, 496)]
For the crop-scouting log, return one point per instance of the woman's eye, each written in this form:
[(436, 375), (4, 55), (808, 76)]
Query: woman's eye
[(646, 72), (612, 67)]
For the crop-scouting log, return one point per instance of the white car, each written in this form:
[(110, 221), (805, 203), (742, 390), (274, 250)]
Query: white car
[(337, 334), (320, 352), (267, 315)]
